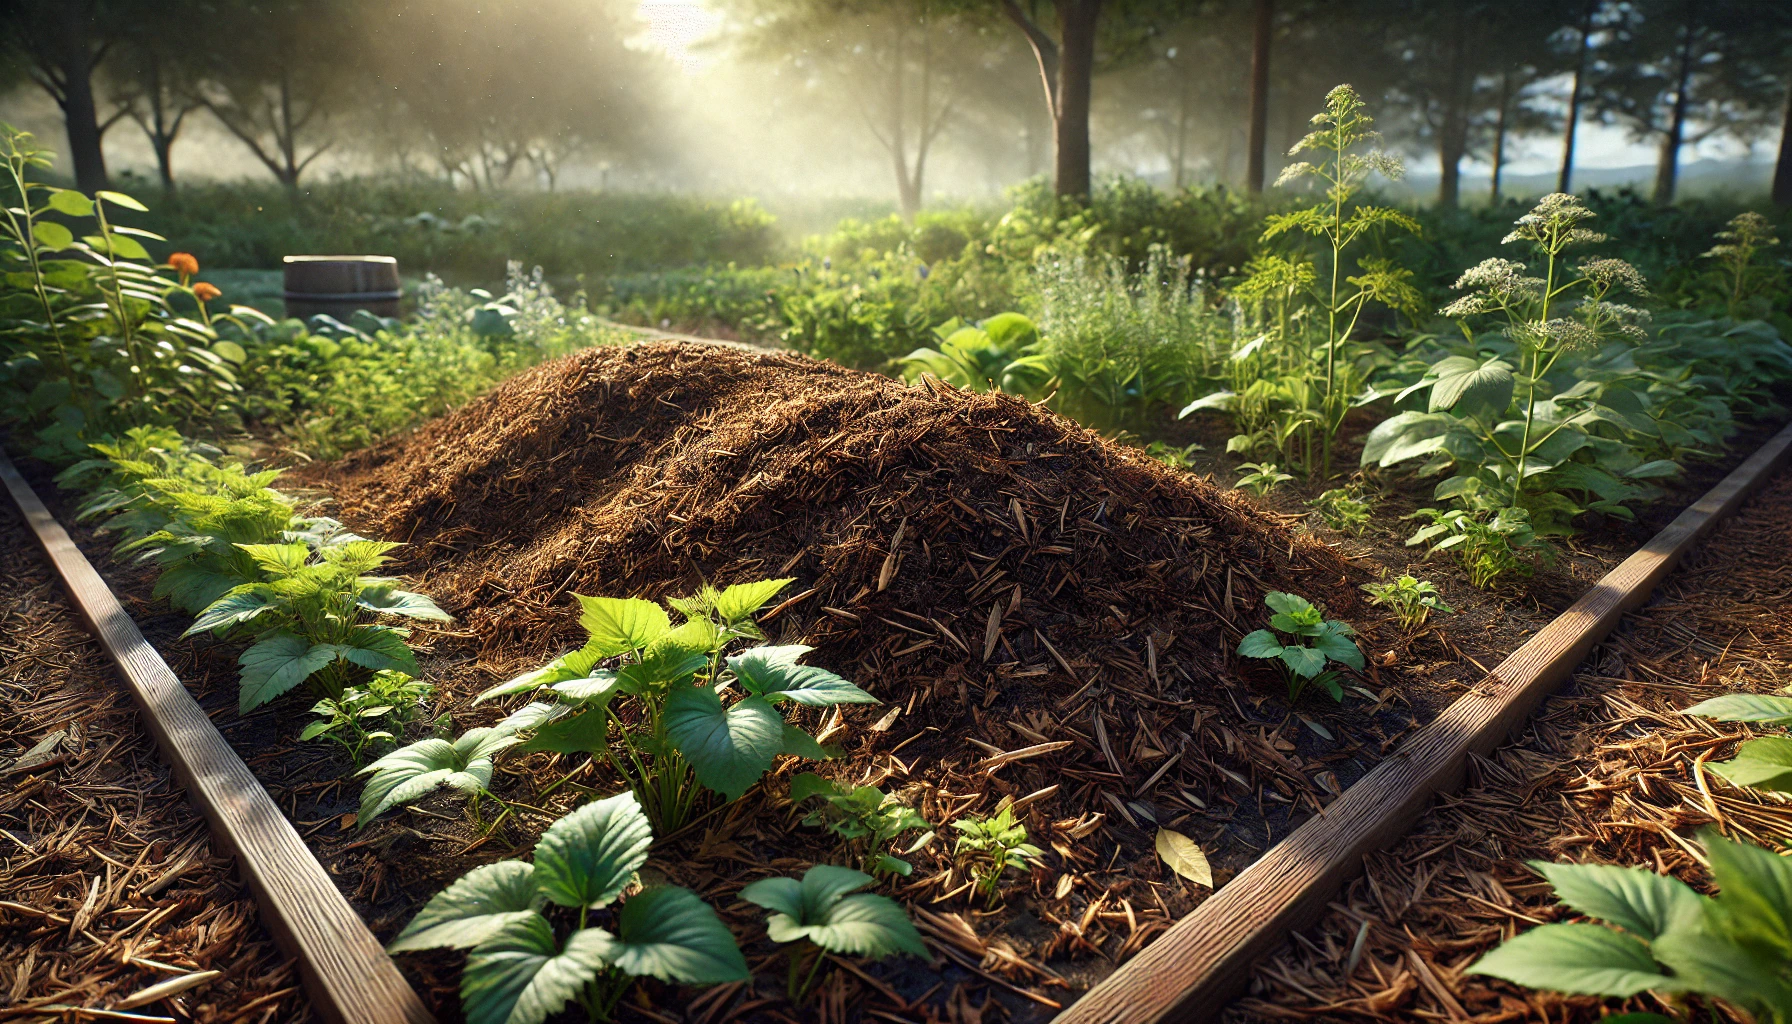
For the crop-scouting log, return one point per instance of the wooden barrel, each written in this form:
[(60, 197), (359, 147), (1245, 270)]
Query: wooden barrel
[(339, 285)]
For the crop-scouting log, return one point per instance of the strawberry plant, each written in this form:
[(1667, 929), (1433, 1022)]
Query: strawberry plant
[(1299, 621), (866, 817), (990, 845), (522, 970), (685, 733), (818, 916), (1661, 935)]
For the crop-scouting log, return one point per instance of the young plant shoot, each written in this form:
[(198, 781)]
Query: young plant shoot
[(818, 917), (521, 970), (1412, 600), (867, 818), (1297, 620), (989, 846)]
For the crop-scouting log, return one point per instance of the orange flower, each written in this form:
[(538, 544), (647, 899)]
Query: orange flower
[(184, 263), (205, 291)]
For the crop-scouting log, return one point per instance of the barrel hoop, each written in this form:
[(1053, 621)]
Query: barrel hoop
[(341, 296)]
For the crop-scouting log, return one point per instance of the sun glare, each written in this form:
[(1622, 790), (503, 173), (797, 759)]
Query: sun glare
[(675, 26)]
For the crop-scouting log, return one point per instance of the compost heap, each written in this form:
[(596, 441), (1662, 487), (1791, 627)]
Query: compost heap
[(958, 555)]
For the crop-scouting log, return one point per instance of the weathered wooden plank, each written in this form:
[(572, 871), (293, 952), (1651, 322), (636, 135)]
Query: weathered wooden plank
[(1195, 968), (347, 975)]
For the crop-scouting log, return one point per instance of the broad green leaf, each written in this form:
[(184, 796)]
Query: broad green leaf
[(1745, 707), (1637, 900), (316, 729), (1260, 644), (1339, 648), (1764, 763), (696, 636), (401, 602), (1703, 960), (1305, 662), (768, 672), (629, 623), (1581, 959), (278, 663), (729, 747), (670, 934), (476, 906), (71, 202), (799, 743), (588, 857), (1481, 393), (1657, 470), (819, 909), (230, 610), (379, 648), (51, 235), (600, 686), (668, 666), (808, 784), (120, 199), (412, 772), (780, 895), (571, 665), (1219, 400), (1755, 891), (278, 560), (1292, 605), (742, 600), (520, 975), (587, 732), (193, 588), (121, 246)]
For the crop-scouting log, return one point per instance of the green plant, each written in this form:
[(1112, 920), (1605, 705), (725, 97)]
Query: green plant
[(1296, 618), (1341, 129), (1743, 280), (366, 715), (412, 772), (1262, 477), (866, 817), (309, 613), (1764, 763), (1487, 546), (1661, 935), (818, 914), (1411, 599), (1172, 456), (1344, 509), (990, 846), (677, 675), (520, 971), (1516, 424), (975, 357)]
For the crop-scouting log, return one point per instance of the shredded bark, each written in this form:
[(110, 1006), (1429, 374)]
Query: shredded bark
[(108, 880), (1609, 772)]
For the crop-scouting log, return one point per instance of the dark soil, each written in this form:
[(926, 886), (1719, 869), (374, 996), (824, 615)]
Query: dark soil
[(1118, 588)]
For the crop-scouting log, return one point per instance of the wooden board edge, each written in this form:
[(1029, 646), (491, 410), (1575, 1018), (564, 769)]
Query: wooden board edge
[(1191, 972), (347, 976)]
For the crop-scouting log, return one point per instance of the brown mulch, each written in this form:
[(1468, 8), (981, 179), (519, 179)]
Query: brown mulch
[(1609, 772), (108, 880)]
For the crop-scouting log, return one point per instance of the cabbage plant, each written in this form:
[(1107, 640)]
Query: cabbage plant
[(522, 970)]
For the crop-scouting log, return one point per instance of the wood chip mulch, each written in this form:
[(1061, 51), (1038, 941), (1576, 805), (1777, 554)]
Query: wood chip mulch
[(1609, 772), (108, 881)]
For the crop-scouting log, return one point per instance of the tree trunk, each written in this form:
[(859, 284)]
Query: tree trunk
[(1782, 168), (1667, 170), (1076, 73), (78, 110), (1499, 134), (1452, 135), (1263, 23), (1564, 180)]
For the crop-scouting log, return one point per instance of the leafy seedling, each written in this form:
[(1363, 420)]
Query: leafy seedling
[(1412, 600), (820, 917), (365, 716), (410, 773), (1300, 622), (1262, 477), (520, 971), (866, 817), (990, 846)]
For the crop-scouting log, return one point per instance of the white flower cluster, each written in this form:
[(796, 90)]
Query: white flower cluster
[(1616, 317), (1607, 273), (1495, 283), (1552, 221)]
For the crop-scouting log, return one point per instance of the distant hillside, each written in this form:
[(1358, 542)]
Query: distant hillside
[(1697, 178)]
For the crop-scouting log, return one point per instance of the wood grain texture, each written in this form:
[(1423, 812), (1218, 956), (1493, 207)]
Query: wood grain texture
[(347, 975), (1200, 964)]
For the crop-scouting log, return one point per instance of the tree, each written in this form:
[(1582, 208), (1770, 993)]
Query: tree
[(1067, 74), (1180, 94), (1263, 16), (1677, 72), (59, 44), (288, 68), (1583, 43), (151, 79)]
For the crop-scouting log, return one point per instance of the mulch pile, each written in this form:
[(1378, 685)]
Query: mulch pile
[(1000, 577), (1610, 772), (108, 881)]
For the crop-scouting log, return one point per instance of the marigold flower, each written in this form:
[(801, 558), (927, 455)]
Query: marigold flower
[(184, 263), (205, 291)]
